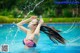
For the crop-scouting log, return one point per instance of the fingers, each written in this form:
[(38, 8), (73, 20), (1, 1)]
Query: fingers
[(41, 21), (33, 17)]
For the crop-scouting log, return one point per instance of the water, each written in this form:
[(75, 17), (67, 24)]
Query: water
[(44, 45)]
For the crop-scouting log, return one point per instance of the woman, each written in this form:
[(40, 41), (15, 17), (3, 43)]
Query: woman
[(35, 27), (33, 31)]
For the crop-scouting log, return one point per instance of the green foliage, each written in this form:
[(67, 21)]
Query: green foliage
[(5, 19), (4, 12), (38, 11), (51, 13), (67, 13), (47, 8)]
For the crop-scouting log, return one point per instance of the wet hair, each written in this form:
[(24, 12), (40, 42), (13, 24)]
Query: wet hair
[(53, 34)]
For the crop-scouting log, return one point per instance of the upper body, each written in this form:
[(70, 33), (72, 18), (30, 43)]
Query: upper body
[(33, 32)]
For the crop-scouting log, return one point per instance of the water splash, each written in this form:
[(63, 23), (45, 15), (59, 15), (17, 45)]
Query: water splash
[(24, 18), (74, 40), (72, 26), (70, 29), (9, 33)]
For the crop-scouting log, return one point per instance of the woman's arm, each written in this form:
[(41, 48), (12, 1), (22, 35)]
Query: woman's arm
[(23, 22), (37, 30), (20, 24)]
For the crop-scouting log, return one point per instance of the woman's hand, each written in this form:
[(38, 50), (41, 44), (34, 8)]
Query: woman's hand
[(33, 17), (41, 21)]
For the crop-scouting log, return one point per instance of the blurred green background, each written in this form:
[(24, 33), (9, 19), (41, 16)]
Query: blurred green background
[(15, 10)]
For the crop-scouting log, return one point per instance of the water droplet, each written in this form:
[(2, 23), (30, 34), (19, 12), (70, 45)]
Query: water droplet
[(19, 15), (25, 16), (31, 11), (21, 12)]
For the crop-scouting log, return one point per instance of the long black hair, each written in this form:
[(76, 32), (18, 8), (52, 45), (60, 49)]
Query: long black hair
[(52, 34)]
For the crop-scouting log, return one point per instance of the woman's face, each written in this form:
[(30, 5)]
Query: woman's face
[(33, 24)]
